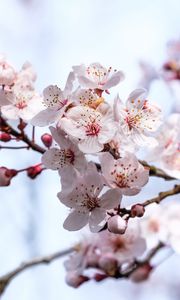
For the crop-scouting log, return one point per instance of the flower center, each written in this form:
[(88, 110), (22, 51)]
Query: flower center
[(91, 202), (92, 129), (132, 121), (21, 104)]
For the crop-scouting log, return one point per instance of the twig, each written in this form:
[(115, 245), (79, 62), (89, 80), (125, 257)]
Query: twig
[(163, 195), (22, 137), (154, 171), (136, 264), (6, 279)]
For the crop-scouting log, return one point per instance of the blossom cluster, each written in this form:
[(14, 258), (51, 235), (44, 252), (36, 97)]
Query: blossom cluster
[(95, 145)]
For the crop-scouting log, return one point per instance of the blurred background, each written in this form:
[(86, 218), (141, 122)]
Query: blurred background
[(54, 35)]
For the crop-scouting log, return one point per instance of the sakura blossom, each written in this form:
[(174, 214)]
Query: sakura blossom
[(66, 155), (21, 103), (55, 102), (21, 100), (7, 72), (92, 128), (124, 247), (125, 173), (137, 119), (88, 205), (167, 152), (95, 76)]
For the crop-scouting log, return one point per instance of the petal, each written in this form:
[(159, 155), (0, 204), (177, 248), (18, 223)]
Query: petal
[(111, 199), (75, 221), (136, 98), (90, 145), (4, 99), (59, 137), (87, 83), (107, 132), (51, 159), (114, 80), (45, 117), (71, 128), (97, 219), (10, 112), (69, 83), (69, 177)]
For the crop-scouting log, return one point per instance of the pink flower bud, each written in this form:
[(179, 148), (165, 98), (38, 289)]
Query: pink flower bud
[(108, 264), (116, 224), (73, 279), (47, 139), (142, 273), (34, 171), (6, 175), (137, 210), (5, 137), (99, 277)]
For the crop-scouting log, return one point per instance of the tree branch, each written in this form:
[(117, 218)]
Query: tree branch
[(21, 136), (6, 279)]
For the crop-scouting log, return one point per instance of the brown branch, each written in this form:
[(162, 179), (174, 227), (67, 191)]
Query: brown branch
[(163, 195), (139, 263), (6, 279), (154, 171), (21, 136)]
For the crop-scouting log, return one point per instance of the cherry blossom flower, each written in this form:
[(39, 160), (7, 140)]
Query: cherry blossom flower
[(24, 104), (95, 76), (92, 128), (138, 118), (87, 203), (56, 102), (125, 173), (66, 155), (170, 223), (167, 152), (124, 247), (151, 224), (7, 72), (162, 223)]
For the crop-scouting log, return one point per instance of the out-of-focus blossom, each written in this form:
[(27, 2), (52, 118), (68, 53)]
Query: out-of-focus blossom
[(168, 150), (87, 202), (20, 100), (92, 128), (138, 119), (149, 73), (95, 76), (24, 104), (7, 72), (68, 154), (125, 173), (124, 247)]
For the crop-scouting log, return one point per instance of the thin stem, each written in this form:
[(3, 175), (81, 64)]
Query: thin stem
[(14, 147), (33, 134), (23, 137), (6, 279)]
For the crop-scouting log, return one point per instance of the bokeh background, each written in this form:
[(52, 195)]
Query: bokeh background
[(54, 35)]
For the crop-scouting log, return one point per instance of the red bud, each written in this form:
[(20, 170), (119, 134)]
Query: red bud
[(34, 171), (137, 210), (5, 137), (46, 138)]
